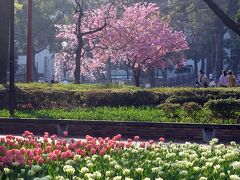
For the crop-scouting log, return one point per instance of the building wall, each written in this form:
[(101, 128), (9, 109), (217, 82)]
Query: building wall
[(43, 63)]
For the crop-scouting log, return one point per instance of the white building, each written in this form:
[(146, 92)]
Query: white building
[(43, 63)]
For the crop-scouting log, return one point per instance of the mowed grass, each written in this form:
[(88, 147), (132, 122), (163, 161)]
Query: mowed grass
[(101, 113), (141, 114)]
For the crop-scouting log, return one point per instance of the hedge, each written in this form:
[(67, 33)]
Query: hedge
[(40, 96), (224, 108)]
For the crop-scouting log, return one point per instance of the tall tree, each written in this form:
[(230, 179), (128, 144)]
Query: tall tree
[(83, 30), (228, 22), (204, 30), (45, 15), (4, 39), (75, 55)]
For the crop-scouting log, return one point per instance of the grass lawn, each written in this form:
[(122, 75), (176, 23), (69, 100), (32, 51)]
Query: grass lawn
[(142, 114)]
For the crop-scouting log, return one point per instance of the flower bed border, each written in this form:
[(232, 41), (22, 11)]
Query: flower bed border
[(177, 132)]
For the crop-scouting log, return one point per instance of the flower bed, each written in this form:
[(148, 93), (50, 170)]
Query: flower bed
[(51, 157)]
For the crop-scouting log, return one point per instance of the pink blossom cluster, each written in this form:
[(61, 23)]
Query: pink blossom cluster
[(141, 39), (135, 35), (30, 149)]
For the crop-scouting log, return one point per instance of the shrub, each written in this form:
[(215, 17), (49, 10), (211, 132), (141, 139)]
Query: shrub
[(225, 108), (145, 98), (170, 108), (191, 107), (38, 96), (193, 110), (108, 98), (126, 98), (201, 100)]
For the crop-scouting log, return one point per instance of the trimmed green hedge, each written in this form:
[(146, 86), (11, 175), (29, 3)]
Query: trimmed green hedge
[(224, 108), (39, 96)]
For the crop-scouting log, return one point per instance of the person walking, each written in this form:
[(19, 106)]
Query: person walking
[(212, 82), (231, 79), (223, 80)]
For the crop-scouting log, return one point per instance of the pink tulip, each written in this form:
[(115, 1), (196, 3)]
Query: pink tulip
[(83, 153), (2, 140), (142, 145), (136, 138), (48, 149), (53, 137), (53, 157), (64, 142), (151, 142), (88, 138), (92, 151), (102, 152), (40, 161), (161, 139), (65, 133)]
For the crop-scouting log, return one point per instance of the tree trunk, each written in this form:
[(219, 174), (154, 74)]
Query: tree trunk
[(34, 69), (209, 63), (202, 64), (4, 39), (211, 55), (219, 51), (196, 63), (136, 74), (77, 72), (164, 72), (152, 77), (235, 63), (109, 73), (127, 71)]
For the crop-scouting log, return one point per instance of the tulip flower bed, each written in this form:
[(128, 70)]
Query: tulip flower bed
[(51, 157)]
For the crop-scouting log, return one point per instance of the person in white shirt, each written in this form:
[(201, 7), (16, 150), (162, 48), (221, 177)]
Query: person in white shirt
[(212, 82)]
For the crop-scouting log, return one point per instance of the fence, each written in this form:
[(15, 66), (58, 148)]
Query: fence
[(180, 80)]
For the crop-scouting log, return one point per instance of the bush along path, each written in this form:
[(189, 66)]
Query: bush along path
[(72, 96), (51, 157)]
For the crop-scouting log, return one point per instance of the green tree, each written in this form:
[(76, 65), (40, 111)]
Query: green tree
[(227, 20), (46, 14), (204, 30), (4, 37)]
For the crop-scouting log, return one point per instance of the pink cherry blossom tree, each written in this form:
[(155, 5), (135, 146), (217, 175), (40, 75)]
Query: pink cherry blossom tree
[(140, 39), (74, 57)]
